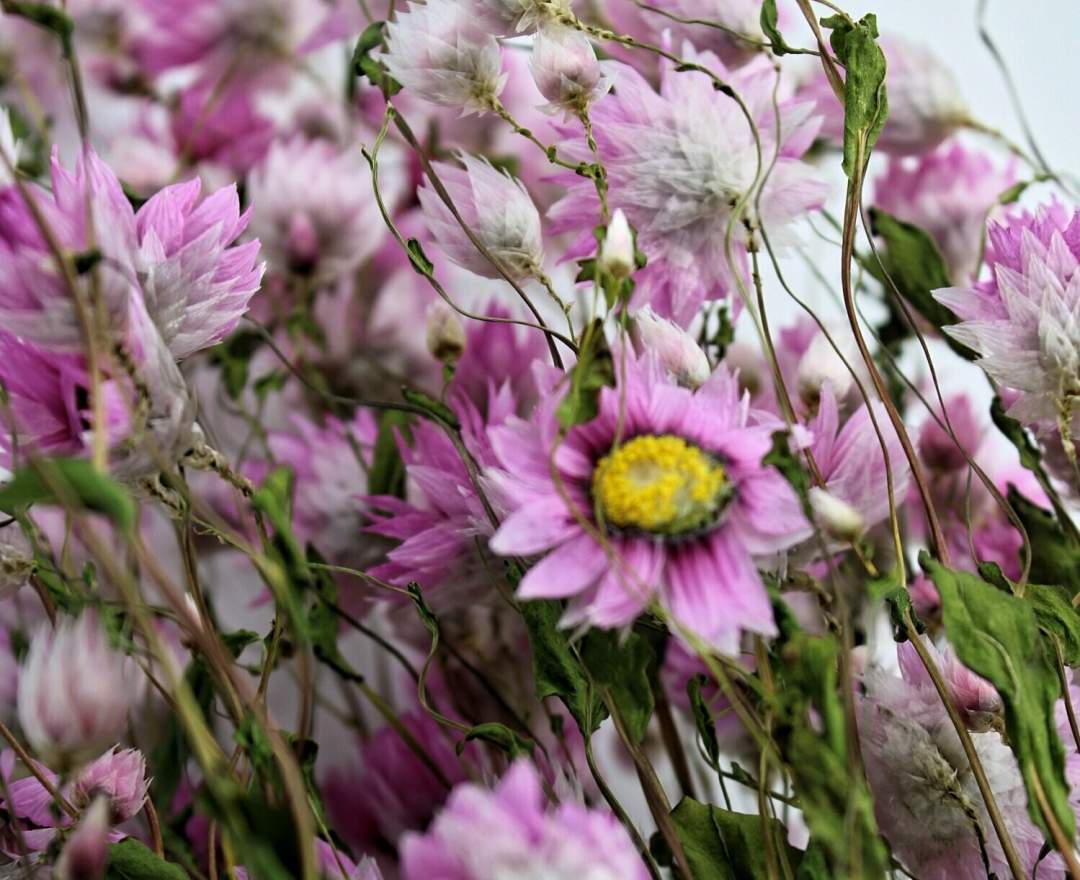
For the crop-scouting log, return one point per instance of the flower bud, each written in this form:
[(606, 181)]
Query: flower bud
[(445, 335), (821, 364), (617, 252), (566, 71), (677, 350), (936, 446), (840, 520), (86, 854), (75, 692)]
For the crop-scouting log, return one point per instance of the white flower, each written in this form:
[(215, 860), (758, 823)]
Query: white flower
[(440, 52), (617, 252), (840, 520), (566, 70), (497, 208)]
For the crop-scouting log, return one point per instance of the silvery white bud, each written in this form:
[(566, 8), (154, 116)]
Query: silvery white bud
[(678, 351), (617, 251), (445, 335), (840, 520), (820, 365)]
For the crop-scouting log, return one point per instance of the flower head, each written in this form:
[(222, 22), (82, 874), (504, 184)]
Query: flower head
[(566, 70), (662, 497), (86, 854), (75, 692), (948, 193), (507, 832), (313, 208), (497, 208), (120, 777), (1024, 322), (508, 17), (679, 162), (441, 52)]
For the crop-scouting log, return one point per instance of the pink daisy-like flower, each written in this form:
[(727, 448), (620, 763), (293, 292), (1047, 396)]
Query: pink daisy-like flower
[(507, 832), (948, 193), (1024, 322), (662, 497), (678, 162)]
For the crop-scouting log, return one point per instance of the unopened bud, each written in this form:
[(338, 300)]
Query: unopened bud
[(677, 350), (86, 854), (820, 365), (445, 335), (840, 520), (617, 251)]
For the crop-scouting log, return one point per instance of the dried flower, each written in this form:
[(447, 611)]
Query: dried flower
[(677, 350), (566, 70)]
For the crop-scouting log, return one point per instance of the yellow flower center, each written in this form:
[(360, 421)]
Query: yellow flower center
[(659, 484)]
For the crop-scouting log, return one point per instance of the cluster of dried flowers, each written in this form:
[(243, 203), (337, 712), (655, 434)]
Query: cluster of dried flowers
[(421, 460)]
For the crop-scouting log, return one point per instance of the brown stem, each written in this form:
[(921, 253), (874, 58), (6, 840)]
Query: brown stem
[(32, 766), (673, 742)]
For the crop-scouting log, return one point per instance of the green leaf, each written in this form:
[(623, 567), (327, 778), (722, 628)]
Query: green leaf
[(996, 635), (723, 845), (620, 665), (131, 860), (556, 669), (44, 15), (912, 261), (769, 26), (387, 475), (419, 259), (72, 481), (866, 106), (1055, 553), (366, 65), (593, 371), (791, 468), (1057, 618), (500, 736)]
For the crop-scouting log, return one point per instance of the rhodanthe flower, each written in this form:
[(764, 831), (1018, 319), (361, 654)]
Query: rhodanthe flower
[(497, 208), (75, 692), (1024, 322), (442, 53), (507, 832), (679, 161), (678, 350), (661, 498), (948, 193), (86, 854), (566, 70)]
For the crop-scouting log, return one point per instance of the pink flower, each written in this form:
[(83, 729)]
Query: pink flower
[(392, 791), (314, 209), (938, 449), (566, 70), (976, 699), (925, 104), (1024, 322), (925, 795), (497, 208), (662, 497), (75, 692), (948, 193), (85, 856), (119, 776), (678, 161), (677, 350), (196, 280), (440, 52), (508, 832), (220, 126)]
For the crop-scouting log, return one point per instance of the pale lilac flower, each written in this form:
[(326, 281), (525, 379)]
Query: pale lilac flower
[(975, 698), (938, 449), (195, 279), (75, 692), (313, 208), (948, 193), (925, 103), (672, 480), (507, 832), (925, 795), (118, 776), (1024, 322), (85, 856), (497, 208), (678, 163), (677, 350), (566, 70), (442, 53)]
